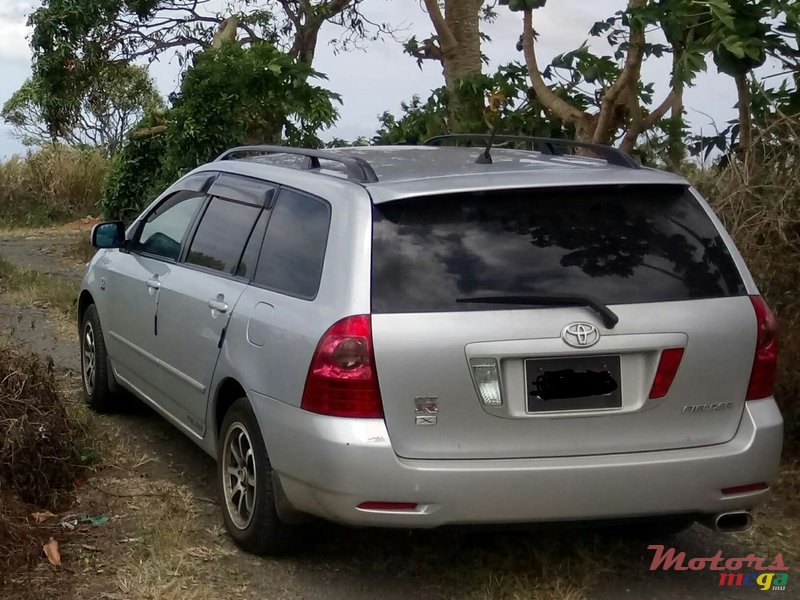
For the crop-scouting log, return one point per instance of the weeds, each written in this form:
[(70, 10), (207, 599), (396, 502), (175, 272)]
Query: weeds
[(41, 446), (54, 184), (44, 448), (759, 202), (33, 288)]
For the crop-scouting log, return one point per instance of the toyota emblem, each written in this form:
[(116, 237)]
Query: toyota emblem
[(580, 335)]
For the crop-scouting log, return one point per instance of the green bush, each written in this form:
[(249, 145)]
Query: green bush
[(54, 184), (230, 96)]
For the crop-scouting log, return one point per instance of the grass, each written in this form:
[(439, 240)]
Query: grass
[(29, 288), (54, 184)]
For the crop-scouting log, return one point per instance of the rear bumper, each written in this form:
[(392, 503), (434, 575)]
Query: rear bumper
[(329, 466)]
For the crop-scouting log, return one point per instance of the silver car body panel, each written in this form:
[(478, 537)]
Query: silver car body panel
[(478, 464), (329, 466)]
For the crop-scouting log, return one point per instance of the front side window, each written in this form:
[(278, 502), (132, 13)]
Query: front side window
[(165, 227), (222, 234), (294, 248)]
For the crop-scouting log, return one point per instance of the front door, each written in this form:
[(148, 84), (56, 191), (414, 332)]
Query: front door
[(131, 280), (196, 301)]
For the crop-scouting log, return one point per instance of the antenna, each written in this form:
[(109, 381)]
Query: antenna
[(486, 157)]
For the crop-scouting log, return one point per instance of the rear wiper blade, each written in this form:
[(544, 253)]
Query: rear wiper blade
[(609, 318)]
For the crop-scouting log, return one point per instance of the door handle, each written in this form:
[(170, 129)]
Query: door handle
[(154, 284), (218, 304)]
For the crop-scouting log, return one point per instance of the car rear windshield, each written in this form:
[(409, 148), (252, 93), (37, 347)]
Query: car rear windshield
[(620, 244)]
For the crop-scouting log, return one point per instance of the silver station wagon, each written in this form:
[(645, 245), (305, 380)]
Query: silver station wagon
[(410, 337)]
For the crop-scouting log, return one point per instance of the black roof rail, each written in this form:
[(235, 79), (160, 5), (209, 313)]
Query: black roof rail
[(612, 156), (357, 169)]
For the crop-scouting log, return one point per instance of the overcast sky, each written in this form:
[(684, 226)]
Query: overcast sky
[(380, 77)]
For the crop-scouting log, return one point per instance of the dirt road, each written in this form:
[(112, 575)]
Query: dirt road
[(165, 538)]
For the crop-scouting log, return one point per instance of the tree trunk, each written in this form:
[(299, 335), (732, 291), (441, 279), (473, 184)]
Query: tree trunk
[(457, 46), (305, 41), (675, 152), (461, 55), (745, 118)]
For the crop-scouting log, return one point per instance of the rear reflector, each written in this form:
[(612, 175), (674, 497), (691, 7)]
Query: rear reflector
[(762, 377), (387, 506), (743, 489), (341, 380), (487, 380), (665, 374)]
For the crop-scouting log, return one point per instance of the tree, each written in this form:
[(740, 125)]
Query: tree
[(738, 34), (505, 103), (116, 100), (74, 40), (229, 96), (742, 38), (456, 45), (618, 102)]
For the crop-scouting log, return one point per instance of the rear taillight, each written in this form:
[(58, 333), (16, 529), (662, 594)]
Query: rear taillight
[(665, 374), (762, 377), (341, 380)]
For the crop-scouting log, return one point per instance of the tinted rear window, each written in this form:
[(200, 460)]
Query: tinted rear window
[(221, 235), (293, 252), (621, 244)]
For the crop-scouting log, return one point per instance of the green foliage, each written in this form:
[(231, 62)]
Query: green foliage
[(520, 5), (135, 174), (113, 101), (69, 51), (518, 115), (230, 96), (740, 35)]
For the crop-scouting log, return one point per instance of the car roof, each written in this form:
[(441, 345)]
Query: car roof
[(407, 171)]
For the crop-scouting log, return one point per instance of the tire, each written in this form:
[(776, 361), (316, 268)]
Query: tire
[(251, 515), (94, 364)]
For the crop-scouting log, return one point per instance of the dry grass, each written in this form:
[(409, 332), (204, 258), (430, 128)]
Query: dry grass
[(46, 444), (54, 184), (32, 288), (759, 202), (41, 442)]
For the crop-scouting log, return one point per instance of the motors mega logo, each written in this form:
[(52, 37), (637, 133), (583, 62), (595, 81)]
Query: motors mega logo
[(765, 577)]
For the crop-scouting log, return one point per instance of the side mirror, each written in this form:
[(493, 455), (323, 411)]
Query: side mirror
[(110, 234)]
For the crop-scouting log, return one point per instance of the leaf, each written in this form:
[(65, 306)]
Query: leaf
[(41, 517), (94, 520), (52, 553)]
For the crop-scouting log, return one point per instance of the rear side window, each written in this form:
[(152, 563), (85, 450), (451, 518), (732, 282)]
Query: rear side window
[(621, 244), (221, 235), (294, 248)]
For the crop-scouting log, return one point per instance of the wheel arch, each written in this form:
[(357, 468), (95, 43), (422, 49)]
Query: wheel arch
[(228, 392), (85, 300)]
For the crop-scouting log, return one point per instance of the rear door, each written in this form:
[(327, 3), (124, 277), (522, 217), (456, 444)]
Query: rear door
[(196, 301), (463, 375)]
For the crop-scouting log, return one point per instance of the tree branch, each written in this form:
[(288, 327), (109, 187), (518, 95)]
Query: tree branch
[(628, 77), (562, 109), (446, 38)]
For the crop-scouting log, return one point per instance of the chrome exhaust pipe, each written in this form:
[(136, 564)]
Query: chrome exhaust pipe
[(737, 521)]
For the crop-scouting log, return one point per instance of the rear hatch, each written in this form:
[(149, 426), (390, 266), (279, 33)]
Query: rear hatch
[(494, 334)]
